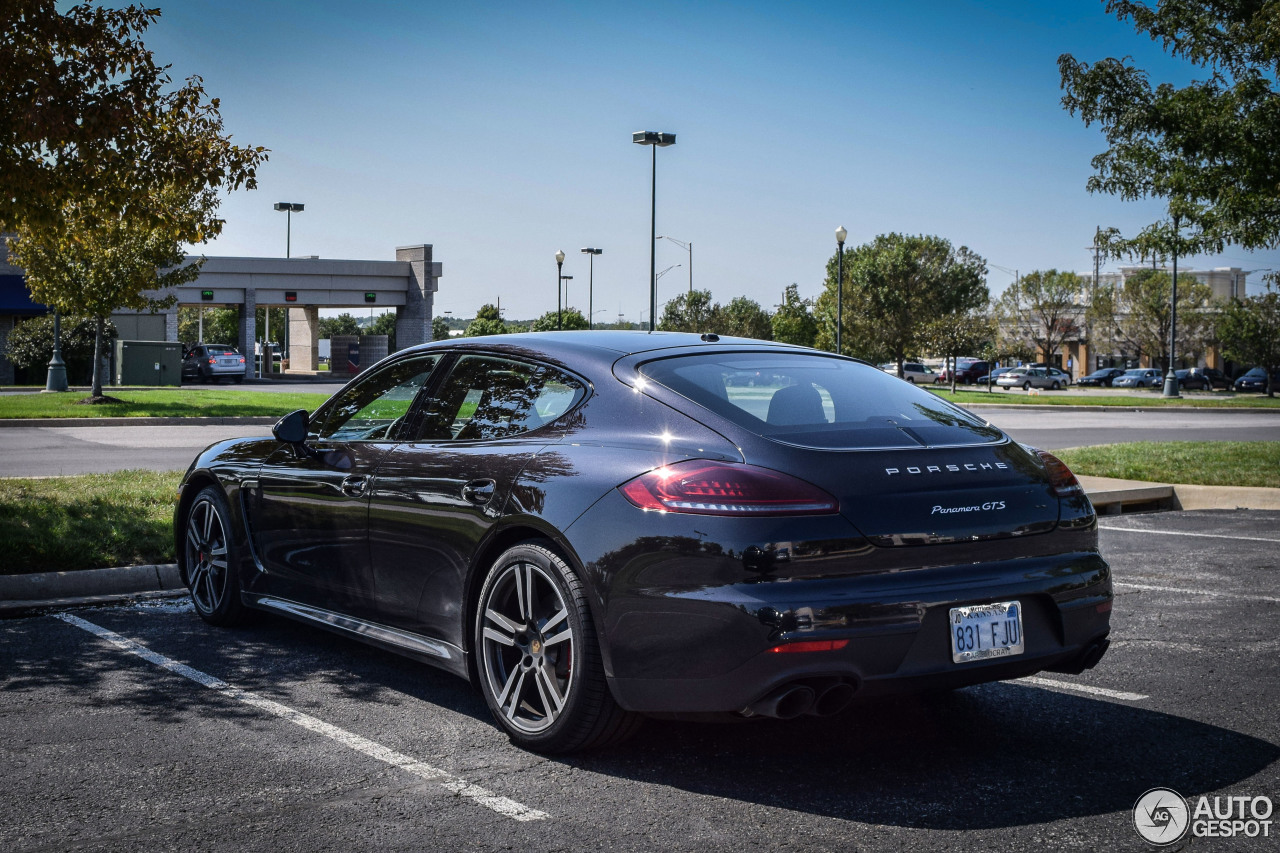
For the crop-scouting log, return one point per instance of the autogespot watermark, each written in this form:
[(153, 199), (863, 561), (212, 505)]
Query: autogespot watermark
[(1162, 816)]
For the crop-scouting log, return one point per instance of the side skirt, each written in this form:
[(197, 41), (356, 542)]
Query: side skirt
[(426, 649)]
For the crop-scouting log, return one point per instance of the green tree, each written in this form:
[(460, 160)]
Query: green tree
[(896, 285), (385, 324), (1249, 330), (30, 344), (221, 326), (793, 321), (343, 324), (487, 322), (568, 319), (1040, 311), (87, 117), (439, 329), (689, 312), (1208, 147), (959, 332), (743, 318), (92, 262), (1139, 316)]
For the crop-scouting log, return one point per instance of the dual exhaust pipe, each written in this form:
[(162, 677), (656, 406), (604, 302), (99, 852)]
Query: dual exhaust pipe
[(819, 697)]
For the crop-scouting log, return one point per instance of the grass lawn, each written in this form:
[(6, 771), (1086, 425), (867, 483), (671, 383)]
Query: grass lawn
[(162, 402), (90, 521), (1218, 400), (1195, 463)]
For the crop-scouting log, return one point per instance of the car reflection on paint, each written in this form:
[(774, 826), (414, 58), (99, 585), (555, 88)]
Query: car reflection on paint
[(594, 527)]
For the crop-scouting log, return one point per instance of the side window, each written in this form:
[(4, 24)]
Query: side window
[(487, 397), (373, 408)]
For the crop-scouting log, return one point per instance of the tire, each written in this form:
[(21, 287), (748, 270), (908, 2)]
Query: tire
[(1026, 386), (549, 697), (911, 379), (210, 559), (1056, 386)]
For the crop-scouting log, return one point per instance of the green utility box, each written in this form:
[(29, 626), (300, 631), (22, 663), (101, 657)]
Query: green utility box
[(148, 363)]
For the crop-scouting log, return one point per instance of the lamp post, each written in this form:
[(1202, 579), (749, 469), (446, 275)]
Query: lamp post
[(289, 208), (559, 276), (565, 279), (56, 378), (688, 247), (1171, 378), (656, 140), (841, 234), (591, 285)]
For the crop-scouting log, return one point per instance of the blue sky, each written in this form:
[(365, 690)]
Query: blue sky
[(500, 132)]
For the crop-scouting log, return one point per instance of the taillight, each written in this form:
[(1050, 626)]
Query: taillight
[(717, 488), (212, 360), (811, 646), (1061, 480), (242, 359)]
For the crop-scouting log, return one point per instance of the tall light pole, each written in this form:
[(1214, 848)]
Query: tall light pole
[(688, 247), (559, 282), (565, 279), (841, 234), (289, 208), (591, 285), (656, 140), (1171, 378)]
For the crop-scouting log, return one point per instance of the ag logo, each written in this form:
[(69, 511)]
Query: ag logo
[(1161, 816)]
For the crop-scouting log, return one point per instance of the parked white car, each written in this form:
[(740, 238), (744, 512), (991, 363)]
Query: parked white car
[(913, 371)]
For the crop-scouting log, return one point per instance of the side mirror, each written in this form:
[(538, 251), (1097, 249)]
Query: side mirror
[(292, 428)]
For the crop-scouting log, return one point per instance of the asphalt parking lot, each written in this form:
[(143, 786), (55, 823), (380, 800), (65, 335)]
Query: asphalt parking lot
[(142, 728)]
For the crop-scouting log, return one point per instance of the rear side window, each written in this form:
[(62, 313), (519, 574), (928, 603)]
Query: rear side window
[(487, 397), (816, 401)]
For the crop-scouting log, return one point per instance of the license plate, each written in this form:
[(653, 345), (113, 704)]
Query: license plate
[(985, 631)]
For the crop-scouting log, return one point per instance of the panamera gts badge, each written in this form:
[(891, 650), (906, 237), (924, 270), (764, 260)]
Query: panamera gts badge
[(948, 469)]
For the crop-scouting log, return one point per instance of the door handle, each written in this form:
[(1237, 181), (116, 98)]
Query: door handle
[(479, 491), (355, 485)]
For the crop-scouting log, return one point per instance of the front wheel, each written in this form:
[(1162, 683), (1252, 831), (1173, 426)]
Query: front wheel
[(209, 559), (538, 656), (1056, 386), (1026, 386)]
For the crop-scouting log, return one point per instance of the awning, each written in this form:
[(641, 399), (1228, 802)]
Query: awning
[(16, 299)]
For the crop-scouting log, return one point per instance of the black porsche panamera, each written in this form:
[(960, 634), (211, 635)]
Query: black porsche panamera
[(598, 526)]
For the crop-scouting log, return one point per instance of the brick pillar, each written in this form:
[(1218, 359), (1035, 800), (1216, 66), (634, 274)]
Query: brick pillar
[(248, 329), (413, 319), (304, 339)]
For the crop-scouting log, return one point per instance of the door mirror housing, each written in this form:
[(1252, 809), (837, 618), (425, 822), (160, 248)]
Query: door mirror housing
[(292, 428)]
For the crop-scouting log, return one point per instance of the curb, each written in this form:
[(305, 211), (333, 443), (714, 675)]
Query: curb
[(1068, 407), (22, 593), (72, 422)]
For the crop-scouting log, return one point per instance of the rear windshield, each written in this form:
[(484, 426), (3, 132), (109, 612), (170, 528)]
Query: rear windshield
[(220, 351), (818, 401)]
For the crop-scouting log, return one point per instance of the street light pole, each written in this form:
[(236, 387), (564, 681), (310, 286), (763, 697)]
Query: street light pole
[(656, 140), (841, 234), (1171, 378), (559, 281), (289, 207), (688, 247), (591, 285)]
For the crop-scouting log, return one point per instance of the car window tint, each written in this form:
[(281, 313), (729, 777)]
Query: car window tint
[(371, 409), (486, 397), (816, 401)]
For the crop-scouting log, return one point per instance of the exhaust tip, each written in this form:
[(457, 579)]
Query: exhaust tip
[(833, 700), (785, 703)]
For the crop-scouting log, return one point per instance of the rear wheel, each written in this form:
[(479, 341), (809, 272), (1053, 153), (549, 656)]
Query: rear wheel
[(538, 656), (1026, 386), (1056, 385), (209, 557)]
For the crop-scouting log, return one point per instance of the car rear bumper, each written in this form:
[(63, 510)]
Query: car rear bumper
[(709, 650)]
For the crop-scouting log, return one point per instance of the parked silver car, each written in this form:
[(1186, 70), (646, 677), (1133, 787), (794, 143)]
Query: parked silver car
[(1029, 377), (1139, 377)]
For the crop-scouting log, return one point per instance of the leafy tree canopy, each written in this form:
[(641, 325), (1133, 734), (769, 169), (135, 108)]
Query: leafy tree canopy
[(343, 324), (221, 326), (1040, 310), (1249, 330), (793, 321), (689, 312), (30, 344), (487, 322), (743, 318), (1136, 314), (86, 114), (439, 329), (955, 334), (568, 319), (385, 324), (1209, 147)]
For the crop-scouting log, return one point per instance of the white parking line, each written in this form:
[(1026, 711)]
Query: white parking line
[(1181, 591), (1186, 533), (461, 787), (1054, 684)]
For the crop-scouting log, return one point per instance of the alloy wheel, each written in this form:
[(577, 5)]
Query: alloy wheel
[(528, 647), (206, 556)]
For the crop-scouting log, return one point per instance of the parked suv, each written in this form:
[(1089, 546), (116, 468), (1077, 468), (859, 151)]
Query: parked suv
[(206, 362), (913, 371), (967, 372), (1029, 377)]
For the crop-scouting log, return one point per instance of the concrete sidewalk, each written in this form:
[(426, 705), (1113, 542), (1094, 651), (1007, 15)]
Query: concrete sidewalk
[(21, 594)]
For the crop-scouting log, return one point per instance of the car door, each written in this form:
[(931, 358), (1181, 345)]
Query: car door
[(309, 509), (439, 494)]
